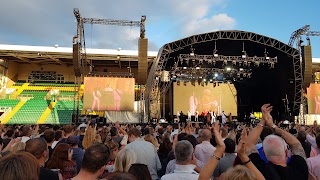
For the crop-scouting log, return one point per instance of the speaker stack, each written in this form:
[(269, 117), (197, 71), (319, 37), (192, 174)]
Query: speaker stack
[(76, 59)]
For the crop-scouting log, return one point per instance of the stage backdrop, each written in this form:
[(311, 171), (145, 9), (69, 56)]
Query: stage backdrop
[(204, 98), (313, 96), (108, 94)]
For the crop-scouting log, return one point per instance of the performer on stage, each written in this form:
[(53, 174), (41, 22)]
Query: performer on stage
[(252, 118), (208, 117), (196, 117), (213, 117), (189, 116), (223, 117), (178, 116), (230, 118), (193, 103)]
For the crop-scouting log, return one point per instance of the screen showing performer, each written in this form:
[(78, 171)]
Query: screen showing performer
[(204, 99), (112, 94), (313, 96)]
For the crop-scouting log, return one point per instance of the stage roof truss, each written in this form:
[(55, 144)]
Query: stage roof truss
[(153, 90)]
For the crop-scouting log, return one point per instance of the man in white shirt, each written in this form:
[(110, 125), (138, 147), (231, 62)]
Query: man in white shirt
[(223, 117), (26, 133), (145, 152), (196, 118), (184, 163), (189, 115), (205, 150)]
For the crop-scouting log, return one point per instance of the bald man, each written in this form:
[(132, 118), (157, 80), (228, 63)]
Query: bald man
[(205, 150)]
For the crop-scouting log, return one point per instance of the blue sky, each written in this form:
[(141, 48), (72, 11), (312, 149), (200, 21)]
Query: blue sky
[(48, 22)]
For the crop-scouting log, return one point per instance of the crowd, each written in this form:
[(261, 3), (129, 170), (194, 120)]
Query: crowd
[(153, 151)]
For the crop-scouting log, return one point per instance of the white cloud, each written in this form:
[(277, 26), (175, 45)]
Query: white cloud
[(214, 23)]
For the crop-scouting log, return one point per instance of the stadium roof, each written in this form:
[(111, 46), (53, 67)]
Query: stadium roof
[(63, 55)]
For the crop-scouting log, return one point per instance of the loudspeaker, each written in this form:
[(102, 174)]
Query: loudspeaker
[(307, 65), (76, 60), (142, 61)]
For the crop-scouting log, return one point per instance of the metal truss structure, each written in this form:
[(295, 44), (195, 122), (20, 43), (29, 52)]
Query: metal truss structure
[(296, 36), (242, 60), (195, 74), (154, 87), (80, 39)]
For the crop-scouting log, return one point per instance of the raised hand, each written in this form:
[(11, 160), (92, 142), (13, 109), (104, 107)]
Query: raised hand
[(266, 116), (241, 149), (217, 134)]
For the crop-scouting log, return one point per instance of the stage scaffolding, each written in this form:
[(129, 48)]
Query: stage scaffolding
[(155, 87)]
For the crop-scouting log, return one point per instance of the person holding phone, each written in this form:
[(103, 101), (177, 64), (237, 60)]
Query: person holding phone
[(62, 159)]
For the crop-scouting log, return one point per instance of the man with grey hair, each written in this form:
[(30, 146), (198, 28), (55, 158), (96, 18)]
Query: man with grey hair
[(276, 151), (185, 162), (205, 150)]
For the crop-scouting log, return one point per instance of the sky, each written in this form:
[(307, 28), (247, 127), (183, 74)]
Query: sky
[(51, 22)]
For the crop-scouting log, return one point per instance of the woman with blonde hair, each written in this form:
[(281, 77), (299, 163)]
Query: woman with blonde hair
[(19, 146), (124, 160), (239, 173), (90, 137), (151, 139)]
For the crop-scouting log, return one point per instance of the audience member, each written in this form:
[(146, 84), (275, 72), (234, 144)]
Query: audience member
[(77, 154), (57, 137), (276, 151), (125, 158), (48, 135), (93, 164), (185, 162), (145, 152), (140, 171), (38, 148), (205, 150), (227, 160), (62, 159), (314, 163), (20, 165)]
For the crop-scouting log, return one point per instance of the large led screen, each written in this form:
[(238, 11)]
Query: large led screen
[(108, 94), (313, 96), (200, 98)]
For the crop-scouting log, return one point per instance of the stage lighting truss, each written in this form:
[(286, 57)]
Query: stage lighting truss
[(209, 75), (243, 60)]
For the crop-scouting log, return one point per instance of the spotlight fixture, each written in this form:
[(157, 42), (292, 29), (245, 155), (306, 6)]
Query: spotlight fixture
[(225, 62), (266, 54), (228, 68), (272, 65), (191, 51), (215, 51), (216, 74), (234, 62), (244, 53)]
